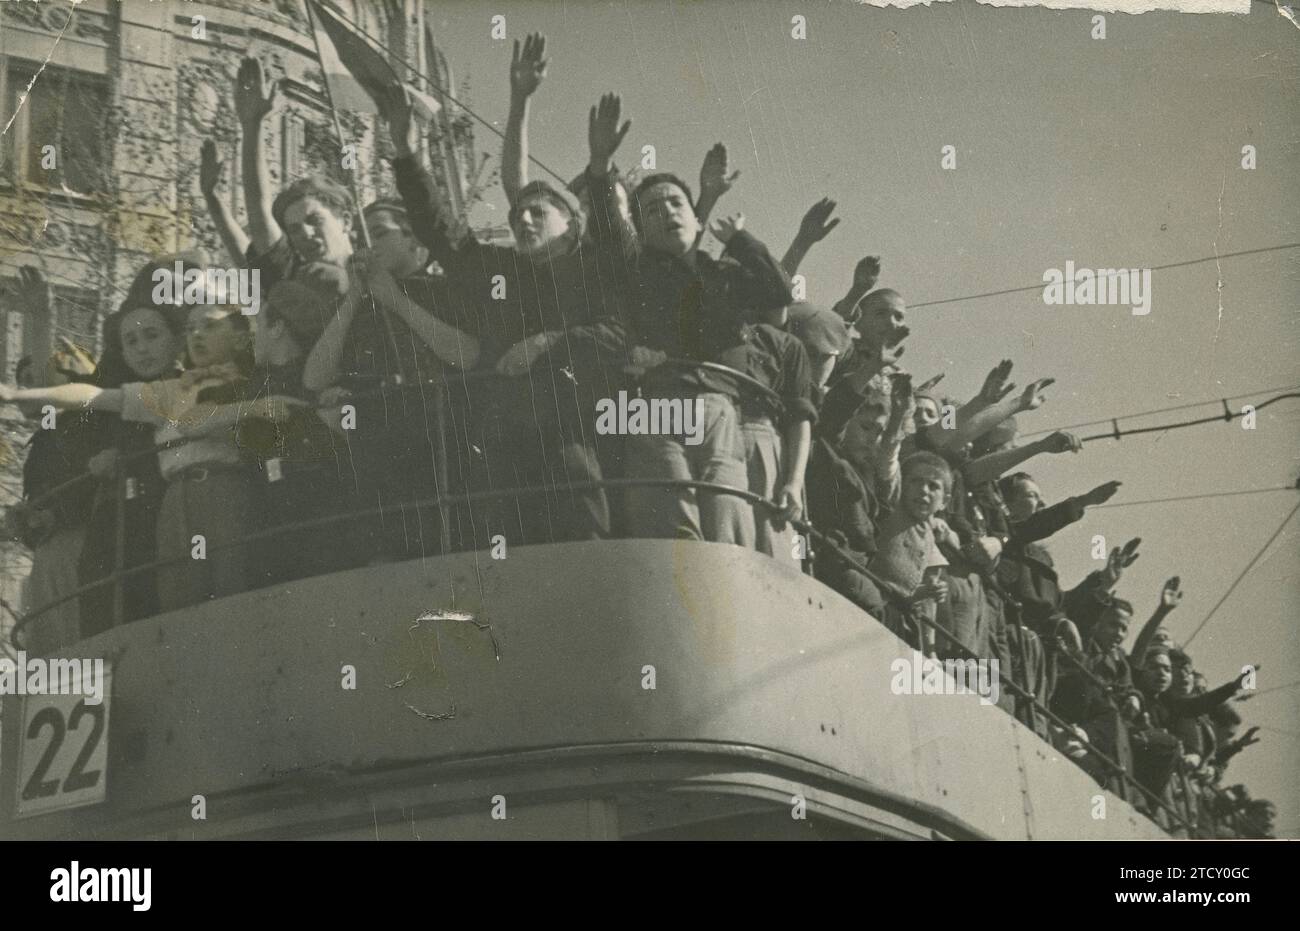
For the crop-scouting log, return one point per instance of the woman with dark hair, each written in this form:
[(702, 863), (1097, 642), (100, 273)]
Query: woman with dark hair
[(142, 343), (209, 501)]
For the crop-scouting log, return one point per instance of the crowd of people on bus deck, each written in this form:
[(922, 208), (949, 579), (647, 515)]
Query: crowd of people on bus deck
[(924, 520)]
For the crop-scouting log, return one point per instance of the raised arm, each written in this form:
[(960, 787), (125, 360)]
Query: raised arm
[(847, 394), (1169, 598), (215, 419), (1207, 701), (990, 467), (232, 235), (714, 182), (431, 218), (996, 387), (604, 136), (527, 71), (761, 283), (889, 476), (1043, 523), (253, 100), (813, 228), (864, 279), (990, 416)]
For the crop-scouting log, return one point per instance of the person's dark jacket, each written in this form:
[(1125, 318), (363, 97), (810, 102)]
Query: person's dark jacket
[(1027, 572), (570, 292), (1181, 715), (693, 312)]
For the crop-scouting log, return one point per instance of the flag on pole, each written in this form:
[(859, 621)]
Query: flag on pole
[(357, 74)]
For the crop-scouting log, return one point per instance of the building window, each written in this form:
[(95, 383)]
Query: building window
[(64, 109), (311, 148)]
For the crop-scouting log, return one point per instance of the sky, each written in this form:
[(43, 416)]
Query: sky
[(1120, 152)]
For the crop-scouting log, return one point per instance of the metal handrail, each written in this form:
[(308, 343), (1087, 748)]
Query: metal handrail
[(1110, 764), (443, 501), (743, 494)]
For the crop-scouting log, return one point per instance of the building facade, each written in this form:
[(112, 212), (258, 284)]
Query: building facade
[(106, 105)]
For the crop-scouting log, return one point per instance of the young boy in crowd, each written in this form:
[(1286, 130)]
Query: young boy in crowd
[(1174, 705), (548, 320), (390, 350), (909, 549), (685, 305), (309, 222), (825, 337), (776, 444), (1026, 571), (879, 320), (1084, 693), (848, 493)]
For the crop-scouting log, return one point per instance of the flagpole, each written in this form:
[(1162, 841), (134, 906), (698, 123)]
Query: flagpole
[(338, 127), (384, 322), (441, 91)]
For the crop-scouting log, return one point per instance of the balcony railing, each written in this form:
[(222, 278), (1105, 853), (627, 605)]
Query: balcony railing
[(1179, 812)]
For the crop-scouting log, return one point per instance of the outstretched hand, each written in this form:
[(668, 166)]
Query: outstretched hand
[(996, 387), (1102, 493), (866, 272), (71, 360), (254, 94), (727, 227), (930, 383), (604, 135), (1120, 559), (528, 65), (714, 178), (817, 222), (902, 402), (1170, 595), (1033, 398), (1062, 442)]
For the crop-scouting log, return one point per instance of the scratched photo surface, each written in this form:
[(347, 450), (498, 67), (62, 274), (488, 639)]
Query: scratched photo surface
[(482, 419)]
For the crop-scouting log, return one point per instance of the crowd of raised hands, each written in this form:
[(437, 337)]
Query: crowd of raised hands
[(911, 503)]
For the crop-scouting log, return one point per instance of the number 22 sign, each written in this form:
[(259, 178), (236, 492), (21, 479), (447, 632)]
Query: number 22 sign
[(62, 752)]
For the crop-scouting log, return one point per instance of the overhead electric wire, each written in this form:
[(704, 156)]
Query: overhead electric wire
[(1164, 410), (1250, 565), (1227, 417), (1154, 268)]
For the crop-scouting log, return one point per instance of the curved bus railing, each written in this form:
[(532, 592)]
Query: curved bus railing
[(1186, 820)]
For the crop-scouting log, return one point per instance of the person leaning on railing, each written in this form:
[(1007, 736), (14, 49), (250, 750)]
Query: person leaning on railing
[(548, 321), (51, 518), (209, 490), (683, 304), (1173, 704), (853, 481)]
